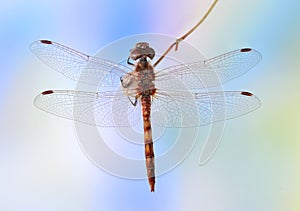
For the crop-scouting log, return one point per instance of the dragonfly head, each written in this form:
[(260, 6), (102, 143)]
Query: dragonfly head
[(142, 50)]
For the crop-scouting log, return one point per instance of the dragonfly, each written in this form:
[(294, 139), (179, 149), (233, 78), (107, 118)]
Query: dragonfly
[(134, 89)]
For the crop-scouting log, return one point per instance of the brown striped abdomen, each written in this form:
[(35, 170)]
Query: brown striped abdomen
[(149, 152)]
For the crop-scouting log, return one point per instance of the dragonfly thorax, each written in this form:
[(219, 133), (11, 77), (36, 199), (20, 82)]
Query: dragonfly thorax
[(140, 81)]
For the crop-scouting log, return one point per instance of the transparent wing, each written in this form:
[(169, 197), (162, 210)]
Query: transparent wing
[(208, 73), (183, 109), (178, 109), (78, 66), (105, 109)]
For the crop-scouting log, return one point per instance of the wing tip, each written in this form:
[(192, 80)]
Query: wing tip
[(247, 94), (48, 92), (48, 42), (37, 44), (243, 50)]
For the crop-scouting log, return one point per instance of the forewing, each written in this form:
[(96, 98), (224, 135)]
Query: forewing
[(208, 73), (78, 66), (183, 109), (105, 109)]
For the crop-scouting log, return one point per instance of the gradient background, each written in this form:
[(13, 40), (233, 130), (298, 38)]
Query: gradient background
[(42, 166)]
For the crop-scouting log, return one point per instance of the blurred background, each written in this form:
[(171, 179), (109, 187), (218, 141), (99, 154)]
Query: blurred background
[(256, 167)]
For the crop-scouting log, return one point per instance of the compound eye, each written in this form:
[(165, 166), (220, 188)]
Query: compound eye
[(142, 45)]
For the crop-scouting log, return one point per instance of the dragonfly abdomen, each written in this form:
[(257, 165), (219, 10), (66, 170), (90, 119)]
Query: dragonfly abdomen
[(149, 152)]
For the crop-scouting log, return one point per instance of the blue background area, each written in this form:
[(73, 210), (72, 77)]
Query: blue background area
[(255, 168)]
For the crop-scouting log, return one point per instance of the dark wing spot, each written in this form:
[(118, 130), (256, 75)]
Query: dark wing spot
[(46, 42), (48, 92), (245, 50), (246, 93)]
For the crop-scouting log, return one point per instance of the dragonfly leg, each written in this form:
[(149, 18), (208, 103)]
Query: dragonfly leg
[(135, 101), (128, 62), (125, 83)]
